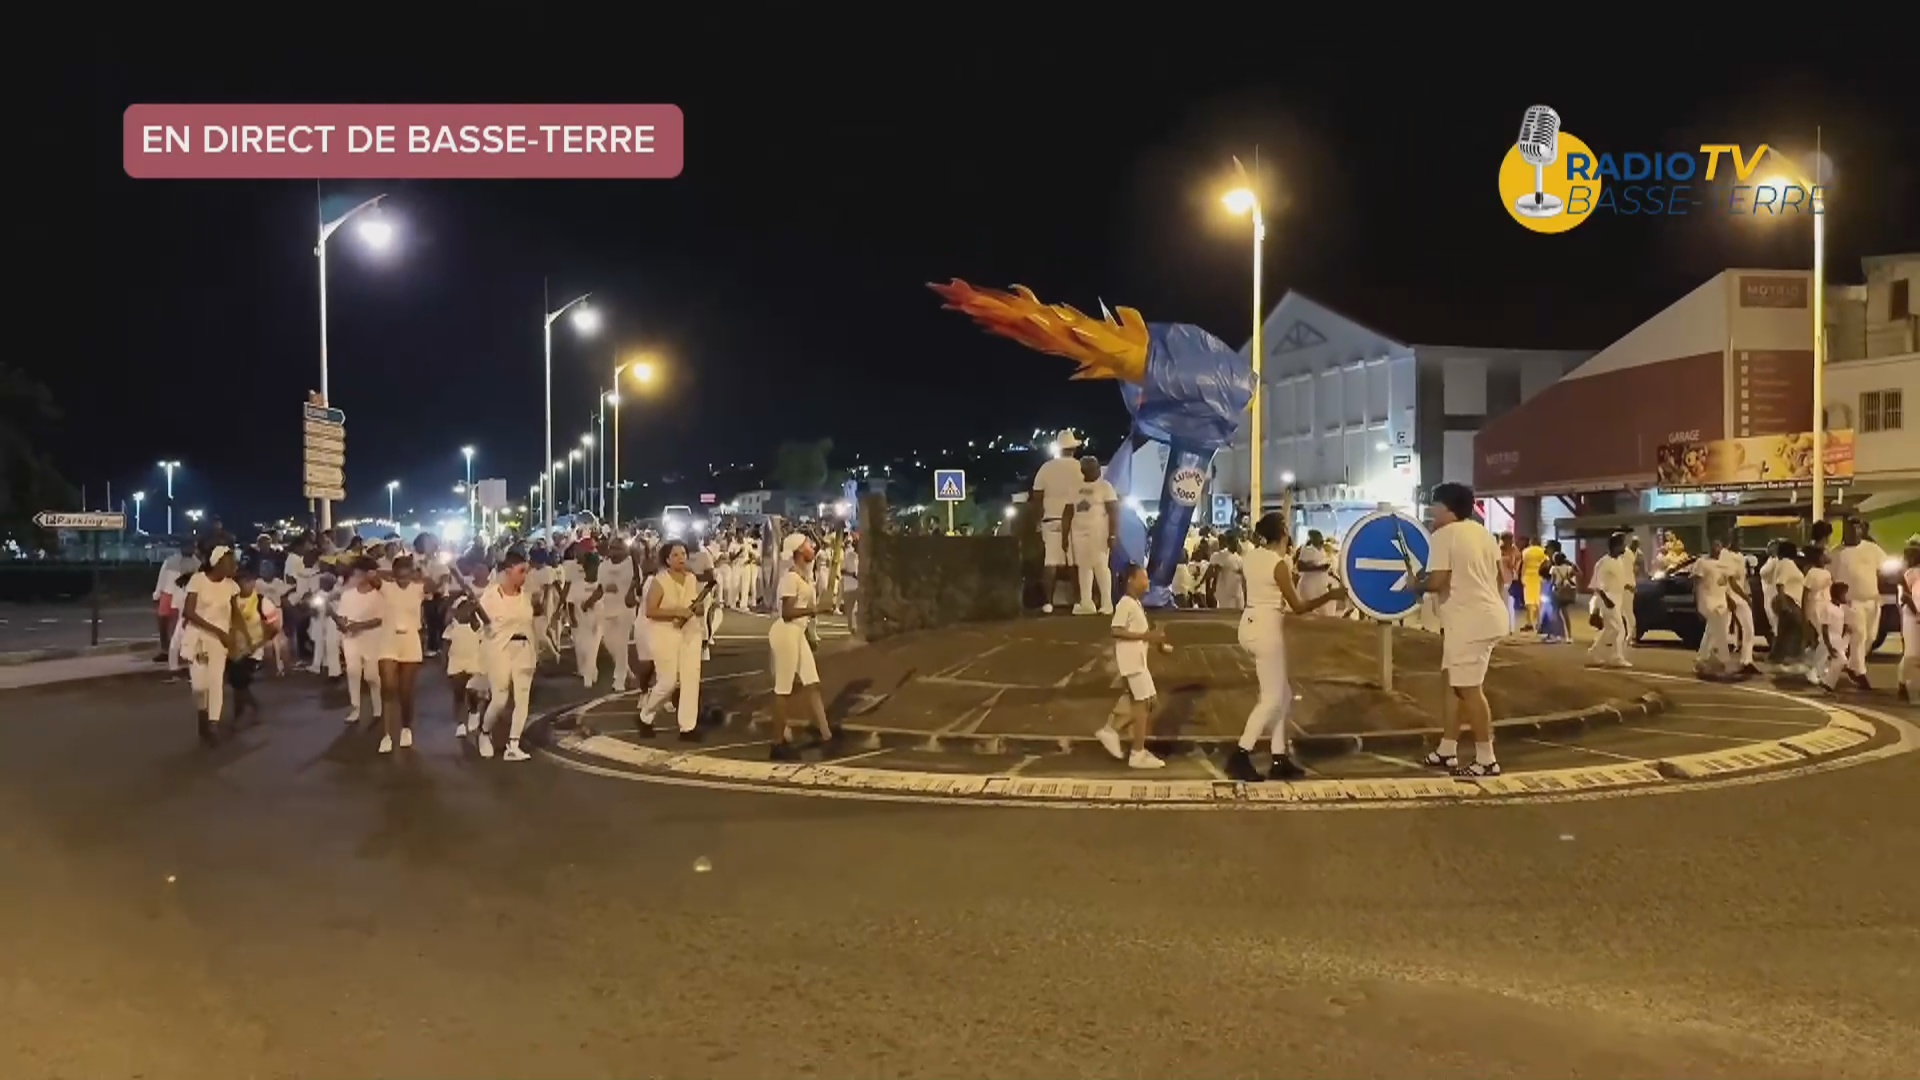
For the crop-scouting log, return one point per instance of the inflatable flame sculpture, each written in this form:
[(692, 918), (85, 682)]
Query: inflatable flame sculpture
[(1182, 386)]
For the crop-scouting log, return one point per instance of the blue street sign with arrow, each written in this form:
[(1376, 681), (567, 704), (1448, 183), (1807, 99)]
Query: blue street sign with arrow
[(1381, 556)]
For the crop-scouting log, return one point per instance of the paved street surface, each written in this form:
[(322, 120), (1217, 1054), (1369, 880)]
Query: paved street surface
[(25, 627), (293, 904)]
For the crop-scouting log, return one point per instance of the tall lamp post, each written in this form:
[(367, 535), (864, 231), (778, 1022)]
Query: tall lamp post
[(586, 321), (377, 234), (138, 498), (573, 504), (168, 467), (1817, 200), (588, 470), (643, 372), (392, 487), (1245, 202), (473, 525)]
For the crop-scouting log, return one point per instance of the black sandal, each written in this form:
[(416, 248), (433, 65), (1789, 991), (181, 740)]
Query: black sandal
[(1477, 770), (1433, 760)]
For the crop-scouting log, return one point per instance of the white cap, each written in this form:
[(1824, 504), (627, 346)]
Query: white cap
[(791, 544), (1068, 440), (218, 553)]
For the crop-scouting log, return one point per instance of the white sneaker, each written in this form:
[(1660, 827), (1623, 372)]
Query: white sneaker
[(1108, 610), (1143, 759), (406, 737), (486, 747), (460, 730), (1083, 609), (386, 744), (514, 753), (1110, 739), (1046, 609), (353, 717)]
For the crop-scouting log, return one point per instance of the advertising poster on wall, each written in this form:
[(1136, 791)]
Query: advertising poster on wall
[(1754, 463)]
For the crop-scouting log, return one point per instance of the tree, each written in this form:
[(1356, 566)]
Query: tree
[(28, 481), (801, 467)]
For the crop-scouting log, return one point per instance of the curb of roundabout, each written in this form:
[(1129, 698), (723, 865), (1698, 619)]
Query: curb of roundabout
[(1851, 736)]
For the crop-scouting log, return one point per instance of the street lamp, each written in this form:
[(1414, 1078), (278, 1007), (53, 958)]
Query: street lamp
[(1816, 200), (1243, 202), (643, 369), (376, 234), (195, 516), (572, 504), (168, 467), (392, 487), (586, 321), (138, 498), (592, 473)]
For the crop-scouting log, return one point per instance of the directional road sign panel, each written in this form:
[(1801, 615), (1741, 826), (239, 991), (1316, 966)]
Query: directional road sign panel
[(98, 522), (321, 414), (1382, 556), (949, 485)]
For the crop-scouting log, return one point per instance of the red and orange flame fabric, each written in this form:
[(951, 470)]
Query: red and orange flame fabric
[(1105, 348)]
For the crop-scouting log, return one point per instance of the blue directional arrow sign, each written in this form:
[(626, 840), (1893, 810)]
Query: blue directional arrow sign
[(1380, 556), (949, 485)]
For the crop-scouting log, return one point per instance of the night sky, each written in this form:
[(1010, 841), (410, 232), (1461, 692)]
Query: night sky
[(782, 273)]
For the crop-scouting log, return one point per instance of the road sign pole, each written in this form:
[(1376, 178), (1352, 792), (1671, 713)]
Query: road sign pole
[(95, 560), (949, 519), (1386, 656)]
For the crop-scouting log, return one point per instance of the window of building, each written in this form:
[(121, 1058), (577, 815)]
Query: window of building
[(1880, 410), (1898, 302)]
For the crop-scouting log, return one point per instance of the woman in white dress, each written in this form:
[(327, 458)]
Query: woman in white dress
[(1270, 593), (795, 672), (1909, 672), (205, 635), (510, 654), (402, 651), (677, 623), (466, 668)]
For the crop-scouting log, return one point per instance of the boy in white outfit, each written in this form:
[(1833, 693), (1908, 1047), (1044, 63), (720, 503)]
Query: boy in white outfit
[(1836, 638), (1612, 587), (1132, 638)]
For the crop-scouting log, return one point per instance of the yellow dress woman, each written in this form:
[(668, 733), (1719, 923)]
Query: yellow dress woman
[(1531, 560)]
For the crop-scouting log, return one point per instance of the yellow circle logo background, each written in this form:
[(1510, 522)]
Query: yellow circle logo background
[(1516, 180)]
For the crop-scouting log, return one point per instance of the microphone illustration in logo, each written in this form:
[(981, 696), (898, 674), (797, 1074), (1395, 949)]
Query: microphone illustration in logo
[(1539, 146)]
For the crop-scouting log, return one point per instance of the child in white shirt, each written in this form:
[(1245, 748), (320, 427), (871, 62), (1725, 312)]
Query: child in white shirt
[(1835, 637), (1132, 637)]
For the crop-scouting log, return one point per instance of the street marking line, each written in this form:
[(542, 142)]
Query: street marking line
[(1207, 763), (1583, 749), (1804, 725), (1710, 706), (1694, 735), (1391, 760)]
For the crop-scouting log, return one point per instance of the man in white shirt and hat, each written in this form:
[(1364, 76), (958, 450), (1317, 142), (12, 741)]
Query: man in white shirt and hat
[(1054, 486), (1857, 561)]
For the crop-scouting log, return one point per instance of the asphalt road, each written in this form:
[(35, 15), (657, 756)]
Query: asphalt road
[(27, 627), (293, 904)]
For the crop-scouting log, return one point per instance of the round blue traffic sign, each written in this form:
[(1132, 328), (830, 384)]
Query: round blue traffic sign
[(1382, 557)]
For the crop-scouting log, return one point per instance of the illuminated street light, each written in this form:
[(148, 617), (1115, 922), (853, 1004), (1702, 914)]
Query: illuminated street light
[(643, 369), (1244, 202), (375, 233), (168, 467), (586, 321), (138, 498), (392, 487)]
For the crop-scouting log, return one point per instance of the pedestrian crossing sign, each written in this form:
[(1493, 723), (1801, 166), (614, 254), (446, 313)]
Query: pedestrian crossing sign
[(949, 485)]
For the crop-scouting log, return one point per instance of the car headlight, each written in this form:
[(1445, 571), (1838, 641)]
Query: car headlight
[(1659, 575)]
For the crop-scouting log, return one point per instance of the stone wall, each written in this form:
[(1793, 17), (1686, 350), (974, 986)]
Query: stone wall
[(919, 582)]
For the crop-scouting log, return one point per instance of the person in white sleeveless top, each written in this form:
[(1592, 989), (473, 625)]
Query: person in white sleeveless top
[(1227, 574), (507, 607), (795, 672), (677, 620), (1315, 566), (1270, 593)]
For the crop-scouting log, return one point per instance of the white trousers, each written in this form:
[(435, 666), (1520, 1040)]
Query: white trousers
[(587, 628), (1266, 644), (327, 657), (207, 674), (1743, 618), (174, 660), (747, 586), (676, 666), (1828, 669), (614, 629), (1713, 640), (1863, 622), (510, 667), (362, 653), (543, 636), (1090, 557), (1611, 646), (1909, 649)]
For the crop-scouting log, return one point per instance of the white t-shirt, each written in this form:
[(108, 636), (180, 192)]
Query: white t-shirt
[(1183, 579), (169, 580), (1312, 560), (616, 578), (1733, 565), (1858, 566), (1819, 581), (1130, 656), (1789, 581), (1227, 582), (1090, 508), (1058, 483), (1613, 577), (699, 561), (1709, 584), (213, 602), (357, 606), (402, 606), (507, 616), (1833, 619), (849, 571), (1262, 592), (1473, 609), (793, 584)]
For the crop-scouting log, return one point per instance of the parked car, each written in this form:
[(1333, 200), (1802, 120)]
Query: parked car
[(1665, 602)]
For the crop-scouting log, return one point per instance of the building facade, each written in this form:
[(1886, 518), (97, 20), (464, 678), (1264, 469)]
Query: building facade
[(1352, 418)]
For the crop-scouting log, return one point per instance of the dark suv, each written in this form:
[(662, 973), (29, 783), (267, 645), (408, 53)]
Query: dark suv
[(1666, 602)]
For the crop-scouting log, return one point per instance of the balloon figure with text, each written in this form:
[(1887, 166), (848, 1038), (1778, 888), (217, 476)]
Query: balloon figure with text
[(1185, 389)]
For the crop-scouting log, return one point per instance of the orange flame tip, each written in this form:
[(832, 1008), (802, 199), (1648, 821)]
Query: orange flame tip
[(1104, 348)]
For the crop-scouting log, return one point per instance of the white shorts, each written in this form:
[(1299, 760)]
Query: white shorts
[(1139, 685), (1466, 661), (793, 662), (1055, 542), (402, 646)]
